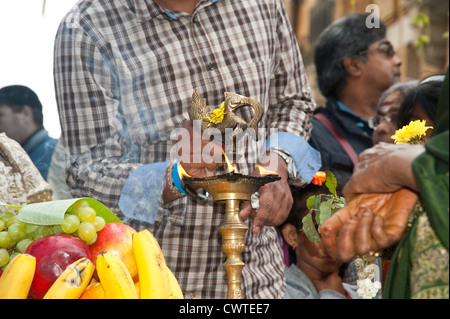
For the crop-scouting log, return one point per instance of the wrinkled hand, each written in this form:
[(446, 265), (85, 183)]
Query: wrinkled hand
[(384, 168), (368, 223), (275, 201)]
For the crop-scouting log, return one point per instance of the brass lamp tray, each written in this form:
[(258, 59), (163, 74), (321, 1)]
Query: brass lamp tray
[(232, 185)]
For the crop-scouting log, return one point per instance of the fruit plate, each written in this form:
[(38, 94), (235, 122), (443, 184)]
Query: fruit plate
[(52, 213)]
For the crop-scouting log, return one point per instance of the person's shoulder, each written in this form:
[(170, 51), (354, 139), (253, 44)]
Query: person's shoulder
[(318, 126), (51, 141), (86, 10)]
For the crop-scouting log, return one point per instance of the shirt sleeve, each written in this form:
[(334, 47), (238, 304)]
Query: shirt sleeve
[(291, 105), (330, 294), (307, 160), (94, 129), (136, 201)]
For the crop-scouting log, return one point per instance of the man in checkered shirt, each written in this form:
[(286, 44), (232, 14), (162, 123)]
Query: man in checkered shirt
[(125, 71)]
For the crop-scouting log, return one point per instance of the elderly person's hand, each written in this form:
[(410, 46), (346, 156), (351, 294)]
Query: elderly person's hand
[(380, 197), (368, 224), (384, 168)]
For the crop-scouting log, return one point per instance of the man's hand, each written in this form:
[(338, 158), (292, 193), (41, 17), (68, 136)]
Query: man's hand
[(199, 157), (200, 162), (275, 201)]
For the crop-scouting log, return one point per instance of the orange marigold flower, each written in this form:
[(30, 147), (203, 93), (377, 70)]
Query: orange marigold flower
[(319, 178)]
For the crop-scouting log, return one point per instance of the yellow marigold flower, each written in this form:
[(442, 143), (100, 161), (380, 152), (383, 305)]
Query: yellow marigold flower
[(411, 133), (217, 115)]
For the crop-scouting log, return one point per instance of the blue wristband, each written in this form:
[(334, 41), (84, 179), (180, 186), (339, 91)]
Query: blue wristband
[(176, 179)]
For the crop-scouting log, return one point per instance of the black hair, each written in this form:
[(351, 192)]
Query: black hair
[(348, 36), (426, 95), (300, 196), (299, 209), (17, 96)]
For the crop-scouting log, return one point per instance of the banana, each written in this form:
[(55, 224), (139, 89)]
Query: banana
[(152, 268), (73, 280), (16, 280), (175, 290), (115, 277)]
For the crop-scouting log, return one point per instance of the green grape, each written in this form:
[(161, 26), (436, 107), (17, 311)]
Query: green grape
[(71, 223), (5, 216), (2, 225), (17, 232), (13, 255), (87, 214), (30, 229), (22, 245), (56, 229), (5, 240), (13, 220), (4, 257), (99, 223), (78, 206), (92, 241), (86, 231), (42, 231)]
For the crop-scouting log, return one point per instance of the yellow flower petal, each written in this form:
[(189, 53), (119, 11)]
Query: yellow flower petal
[(411, 133), (217, 115)]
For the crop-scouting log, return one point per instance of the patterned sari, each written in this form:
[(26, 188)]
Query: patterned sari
[(419, 266)]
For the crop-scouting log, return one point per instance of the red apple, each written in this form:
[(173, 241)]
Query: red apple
[(53, 254), (118, 239)]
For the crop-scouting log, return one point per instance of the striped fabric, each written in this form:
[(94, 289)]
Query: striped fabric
[(125, 71)]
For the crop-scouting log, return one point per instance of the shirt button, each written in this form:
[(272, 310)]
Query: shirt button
[(195, 19), (211, 66)]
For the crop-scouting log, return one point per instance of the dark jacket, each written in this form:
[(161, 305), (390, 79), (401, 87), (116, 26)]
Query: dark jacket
[(353, 128), (40, 147)]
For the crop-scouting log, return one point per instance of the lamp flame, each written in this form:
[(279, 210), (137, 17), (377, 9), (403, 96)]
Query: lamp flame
[(230, 167), (181, 172), (265, 172)]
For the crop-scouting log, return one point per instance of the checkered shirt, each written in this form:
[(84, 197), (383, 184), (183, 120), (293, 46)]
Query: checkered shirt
[(125, 71)]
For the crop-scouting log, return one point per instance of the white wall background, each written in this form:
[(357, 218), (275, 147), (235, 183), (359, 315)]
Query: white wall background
[(26, 49)]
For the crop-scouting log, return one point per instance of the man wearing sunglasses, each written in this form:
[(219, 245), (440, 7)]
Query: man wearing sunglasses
[(355, 64)]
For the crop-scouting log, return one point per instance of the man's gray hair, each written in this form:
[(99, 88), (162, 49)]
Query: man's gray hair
[(348, 36)]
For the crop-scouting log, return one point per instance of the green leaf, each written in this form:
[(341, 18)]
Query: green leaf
[(103, 211), (310, 202), (52, 213), (10, 206), (425, 38), (331, 183), (325, 211), (309, 228)]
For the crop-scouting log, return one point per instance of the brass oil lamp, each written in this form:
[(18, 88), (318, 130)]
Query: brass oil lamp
[(231, 188)]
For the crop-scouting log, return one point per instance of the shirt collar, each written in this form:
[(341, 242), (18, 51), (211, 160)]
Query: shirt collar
[(149, 9), (360, 122), (35, 139)]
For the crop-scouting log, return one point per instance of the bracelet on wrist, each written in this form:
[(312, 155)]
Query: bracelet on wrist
[(168, 179), (176, 180)]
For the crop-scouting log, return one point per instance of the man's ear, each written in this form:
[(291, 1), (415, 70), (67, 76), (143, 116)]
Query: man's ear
[(290, 234), (27, 111), (353, 66)]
